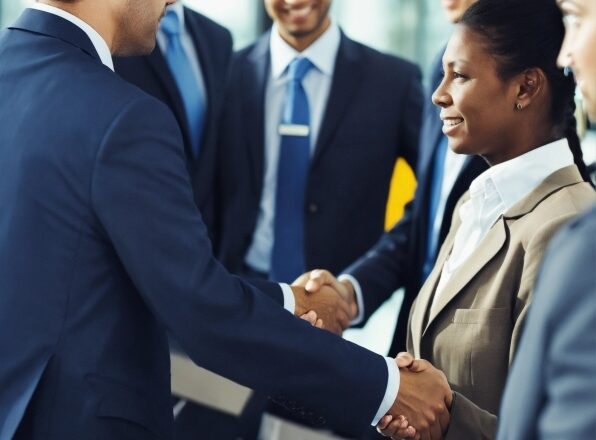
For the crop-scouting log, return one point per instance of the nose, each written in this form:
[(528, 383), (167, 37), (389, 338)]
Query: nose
[(564, 59), (440, 96)]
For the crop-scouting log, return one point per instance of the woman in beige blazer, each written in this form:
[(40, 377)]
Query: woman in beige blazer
[(504, 98)]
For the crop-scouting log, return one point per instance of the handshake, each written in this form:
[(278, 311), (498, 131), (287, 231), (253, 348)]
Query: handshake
[(421, 409)]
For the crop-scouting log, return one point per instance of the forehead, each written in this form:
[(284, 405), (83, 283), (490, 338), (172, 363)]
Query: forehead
[(465, 45)]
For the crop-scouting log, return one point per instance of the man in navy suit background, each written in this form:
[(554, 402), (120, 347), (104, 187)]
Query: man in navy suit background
[(102, 250), (365, 110), (208, 47), (404, 256)]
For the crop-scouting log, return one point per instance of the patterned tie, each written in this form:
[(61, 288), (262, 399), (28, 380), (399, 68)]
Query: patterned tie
[(186, 80), (435, 196), (287, 259)]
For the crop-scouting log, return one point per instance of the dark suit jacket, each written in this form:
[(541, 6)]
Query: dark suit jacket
[(102, 251), (551, 389), (372, 117), (397, 259), (213, 44)]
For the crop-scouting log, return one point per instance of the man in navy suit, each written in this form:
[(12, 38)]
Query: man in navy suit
[(551, 389), (102, 251), (364, 111), (208, 48)]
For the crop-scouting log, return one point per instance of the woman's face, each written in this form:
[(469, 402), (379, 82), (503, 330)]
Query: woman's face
[(477, 107), (579, 51)]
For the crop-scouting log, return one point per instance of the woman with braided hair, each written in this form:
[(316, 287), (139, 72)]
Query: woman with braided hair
[(502, 97)]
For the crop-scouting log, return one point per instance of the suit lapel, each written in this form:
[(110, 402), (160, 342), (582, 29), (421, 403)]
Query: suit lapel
[(346, 77), (253, 83), (492, 243)]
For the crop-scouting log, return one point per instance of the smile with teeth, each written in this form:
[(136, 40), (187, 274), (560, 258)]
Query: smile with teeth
[(299, 12), (452, 122)]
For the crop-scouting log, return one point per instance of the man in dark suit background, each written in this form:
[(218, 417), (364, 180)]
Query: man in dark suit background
[(404, 256), (364, 111), (208, 49), (102, 250)]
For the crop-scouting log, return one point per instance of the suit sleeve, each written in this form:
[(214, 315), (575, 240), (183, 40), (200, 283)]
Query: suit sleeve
[(142, 198), (411, 121)]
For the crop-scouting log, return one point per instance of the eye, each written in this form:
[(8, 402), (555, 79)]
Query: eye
[(458, 75)]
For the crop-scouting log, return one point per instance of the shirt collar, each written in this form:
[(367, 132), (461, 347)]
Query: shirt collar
[(321, 53), (97, 40), (515, 178)]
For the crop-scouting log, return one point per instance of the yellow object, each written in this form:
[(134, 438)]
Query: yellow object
[(403, 185)]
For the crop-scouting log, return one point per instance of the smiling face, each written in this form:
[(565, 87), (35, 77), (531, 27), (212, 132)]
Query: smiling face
[(300, 22), (477, 106), (454, 9), (578, 49)]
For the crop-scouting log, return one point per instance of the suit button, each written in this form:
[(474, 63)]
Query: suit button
[(313, 208)]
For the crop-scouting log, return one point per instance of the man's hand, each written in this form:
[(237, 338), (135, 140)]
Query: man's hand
[(317, 279), (332, 311), (423, 402)]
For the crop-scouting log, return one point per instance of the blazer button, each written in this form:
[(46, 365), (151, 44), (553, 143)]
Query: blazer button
[(313, 208)]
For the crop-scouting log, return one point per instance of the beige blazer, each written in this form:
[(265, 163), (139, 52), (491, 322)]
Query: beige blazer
[(473, 328)]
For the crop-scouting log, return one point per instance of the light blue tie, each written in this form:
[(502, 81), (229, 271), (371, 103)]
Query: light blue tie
[(287, 259), (435, 196), (185, 80)]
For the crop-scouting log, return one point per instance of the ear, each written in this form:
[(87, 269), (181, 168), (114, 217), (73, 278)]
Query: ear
[(531, 84)]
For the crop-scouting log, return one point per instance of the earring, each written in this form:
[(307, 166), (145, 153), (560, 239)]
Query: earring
[(518, 106)]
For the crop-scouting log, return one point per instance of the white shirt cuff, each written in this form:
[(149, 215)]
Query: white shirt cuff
[(359, 299), (289, 300), (391, 392)]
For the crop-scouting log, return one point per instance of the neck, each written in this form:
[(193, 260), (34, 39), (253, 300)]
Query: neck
[(95, 16), (301, 42)]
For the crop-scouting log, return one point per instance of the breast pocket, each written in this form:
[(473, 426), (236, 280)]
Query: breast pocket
[(487, 333)]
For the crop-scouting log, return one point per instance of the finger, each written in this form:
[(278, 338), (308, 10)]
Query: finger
[(310, 317), (319, 323), (419, 365), (318, 278), (385, 421), (435, 430), (444, 420), (404, 360)]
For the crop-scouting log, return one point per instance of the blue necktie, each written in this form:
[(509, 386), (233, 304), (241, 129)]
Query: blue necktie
[(185, 80), (287, 259), (435, 196)]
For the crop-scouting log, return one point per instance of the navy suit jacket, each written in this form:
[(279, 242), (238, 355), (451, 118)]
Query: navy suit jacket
[(372, 117), (103, 251), (551, 389), (213, 44), (397, 259)]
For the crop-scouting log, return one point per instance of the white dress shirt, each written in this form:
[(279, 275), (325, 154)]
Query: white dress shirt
[(188, 46), (100, 45), (494, 192), (317, 84)]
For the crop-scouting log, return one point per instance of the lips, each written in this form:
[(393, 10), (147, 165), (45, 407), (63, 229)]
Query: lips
[(451, 124), (298, 13)]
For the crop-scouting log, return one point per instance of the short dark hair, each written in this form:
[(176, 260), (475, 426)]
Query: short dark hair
[(524, 34)]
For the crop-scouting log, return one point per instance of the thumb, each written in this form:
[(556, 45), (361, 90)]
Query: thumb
[(319, 278), (404, 360)]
